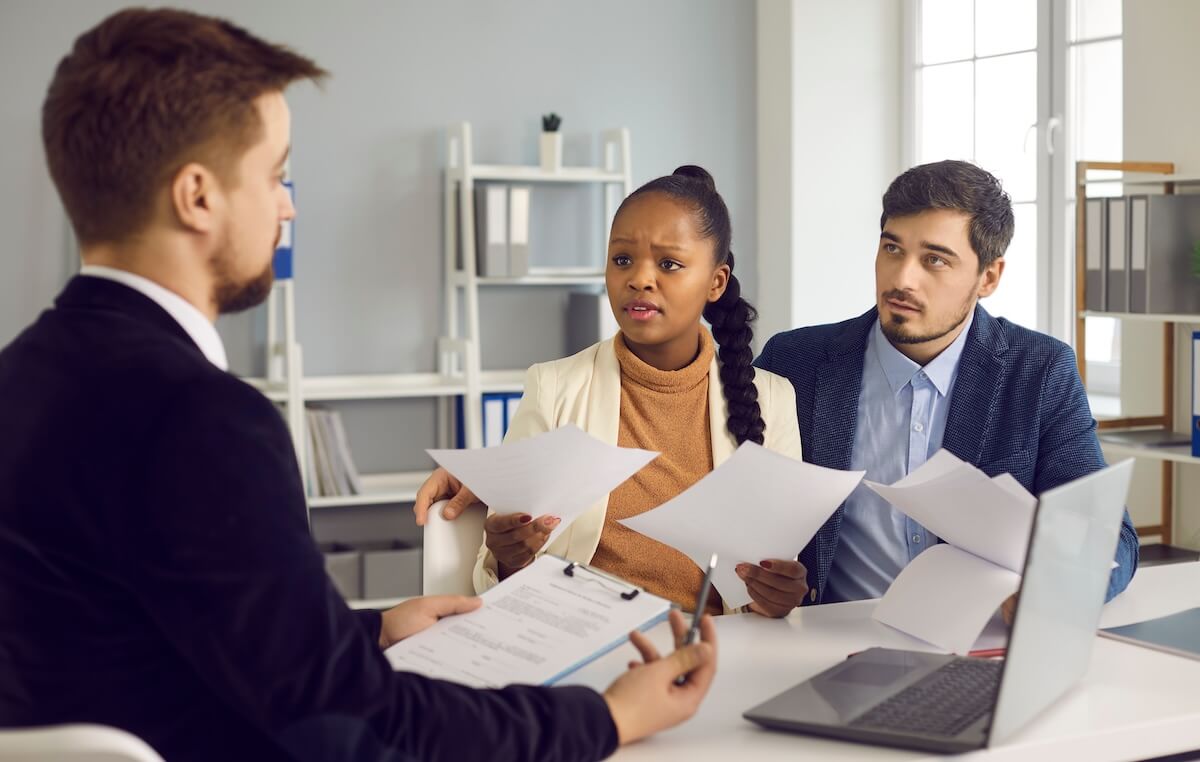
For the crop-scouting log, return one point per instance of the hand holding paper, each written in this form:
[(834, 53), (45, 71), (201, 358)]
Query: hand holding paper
[(948, 593), (758, 504), (562, 473)]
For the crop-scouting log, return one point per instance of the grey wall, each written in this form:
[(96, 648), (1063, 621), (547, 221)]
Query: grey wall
[(368, 151)]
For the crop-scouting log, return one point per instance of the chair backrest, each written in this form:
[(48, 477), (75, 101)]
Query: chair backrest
[(73, 743), (450, 549)]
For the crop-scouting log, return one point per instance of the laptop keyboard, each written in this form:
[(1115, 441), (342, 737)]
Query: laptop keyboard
[(943, 703)]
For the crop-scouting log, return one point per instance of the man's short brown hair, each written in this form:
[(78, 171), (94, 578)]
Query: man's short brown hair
[(144, 93)]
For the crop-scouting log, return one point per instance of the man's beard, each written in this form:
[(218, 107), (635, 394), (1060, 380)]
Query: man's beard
[(231, 295), (893, 329)]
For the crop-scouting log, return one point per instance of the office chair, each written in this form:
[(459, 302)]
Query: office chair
[(73, 743), (450, 549)]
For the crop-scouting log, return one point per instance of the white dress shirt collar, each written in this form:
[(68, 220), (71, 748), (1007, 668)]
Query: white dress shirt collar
[(190, 319)]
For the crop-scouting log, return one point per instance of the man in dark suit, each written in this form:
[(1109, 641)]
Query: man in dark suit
[(927, 368), (156, 571)]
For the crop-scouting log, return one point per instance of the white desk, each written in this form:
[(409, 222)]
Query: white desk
[(1133, 703)]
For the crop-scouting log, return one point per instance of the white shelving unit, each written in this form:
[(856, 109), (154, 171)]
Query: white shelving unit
[(459, 372), (462, 285), (1160, 174)]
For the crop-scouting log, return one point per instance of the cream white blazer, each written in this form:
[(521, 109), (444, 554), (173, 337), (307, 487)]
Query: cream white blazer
[(585, 389)]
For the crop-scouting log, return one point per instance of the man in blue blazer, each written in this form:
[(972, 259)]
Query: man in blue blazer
[(927, 367)]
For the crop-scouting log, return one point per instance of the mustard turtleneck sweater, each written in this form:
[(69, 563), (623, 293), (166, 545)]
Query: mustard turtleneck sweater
[(665, 411)]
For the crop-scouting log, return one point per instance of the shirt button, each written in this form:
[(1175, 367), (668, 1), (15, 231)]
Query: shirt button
[(918, 427), (812, 595), (917, 538)]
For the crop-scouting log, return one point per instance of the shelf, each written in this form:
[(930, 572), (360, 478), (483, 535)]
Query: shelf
[(531, 174), (503, 381), (1142, 178), (1177, 454), (365, 387), (378, 489), (1143, 317), (382, 386), (566, 279)]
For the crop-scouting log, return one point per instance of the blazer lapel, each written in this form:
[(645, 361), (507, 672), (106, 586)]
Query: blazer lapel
[(602, 419), (973, 404), (835, 397)]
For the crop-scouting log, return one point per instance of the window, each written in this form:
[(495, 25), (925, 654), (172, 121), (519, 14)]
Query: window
[(1023, 88), (977, 99)]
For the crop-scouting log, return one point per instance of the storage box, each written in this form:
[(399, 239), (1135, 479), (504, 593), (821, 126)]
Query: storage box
[(343, 564), (390, 569)]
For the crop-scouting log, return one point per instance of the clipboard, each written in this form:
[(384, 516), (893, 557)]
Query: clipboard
[(538, 626)]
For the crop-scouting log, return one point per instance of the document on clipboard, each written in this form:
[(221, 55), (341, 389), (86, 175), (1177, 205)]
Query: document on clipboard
[(536, 627)]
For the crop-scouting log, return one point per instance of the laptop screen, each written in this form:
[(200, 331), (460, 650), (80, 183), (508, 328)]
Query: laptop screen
[(1062, 592)]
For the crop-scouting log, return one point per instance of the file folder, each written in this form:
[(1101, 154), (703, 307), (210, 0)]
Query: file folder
[(1196, 393), (491, 230), (1137, 253), (1117, 290), (1095, 226), (518, 230), (1163, 231)]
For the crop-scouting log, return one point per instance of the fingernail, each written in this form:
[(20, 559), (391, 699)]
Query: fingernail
[(551, 521), (765, 564), (526, 519)]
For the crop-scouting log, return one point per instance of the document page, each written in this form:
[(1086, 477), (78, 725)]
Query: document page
[(945, 596), (990, 518), (562, 473), (535, 627), (756, 505)]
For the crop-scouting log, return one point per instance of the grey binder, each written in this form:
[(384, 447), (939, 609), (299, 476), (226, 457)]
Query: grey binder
[(1161, 243), (1137, 253), (1117, 289), (491, 230), (1095, 227)]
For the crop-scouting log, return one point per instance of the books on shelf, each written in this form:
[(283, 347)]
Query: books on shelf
[(331, 470)]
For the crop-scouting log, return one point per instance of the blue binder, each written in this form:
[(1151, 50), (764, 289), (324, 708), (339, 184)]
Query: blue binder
[(282, 262)]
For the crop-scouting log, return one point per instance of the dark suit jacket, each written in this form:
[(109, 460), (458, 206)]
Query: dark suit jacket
[(157, 574), (1018, 407)]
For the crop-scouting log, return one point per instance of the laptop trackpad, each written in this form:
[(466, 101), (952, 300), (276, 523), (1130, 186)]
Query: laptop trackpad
[(841, 693)]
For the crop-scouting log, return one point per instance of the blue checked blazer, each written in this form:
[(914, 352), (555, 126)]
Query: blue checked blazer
[(1018, 406)]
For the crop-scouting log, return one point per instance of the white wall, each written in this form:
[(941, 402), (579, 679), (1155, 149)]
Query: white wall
[(845, 112), (368, 154), (1161, 59)]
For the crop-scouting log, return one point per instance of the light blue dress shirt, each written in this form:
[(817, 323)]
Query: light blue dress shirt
[(902, 410)]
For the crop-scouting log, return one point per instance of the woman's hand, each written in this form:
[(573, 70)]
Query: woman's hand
[(776, 586), (515, 539)]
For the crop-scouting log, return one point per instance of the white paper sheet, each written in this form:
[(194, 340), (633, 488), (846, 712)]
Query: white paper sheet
[(560, 473), (946, 597), (990, 518), (534, 627), (756, 505)]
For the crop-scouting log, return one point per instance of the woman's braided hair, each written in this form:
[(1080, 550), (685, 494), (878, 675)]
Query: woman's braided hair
[(731, 315)]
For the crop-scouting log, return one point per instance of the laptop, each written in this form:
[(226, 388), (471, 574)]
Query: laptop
[(946, 703)]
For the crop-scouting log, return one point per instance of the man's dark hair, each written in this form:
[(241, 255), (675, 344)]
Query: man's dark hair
[(964, 187), (142, 94)]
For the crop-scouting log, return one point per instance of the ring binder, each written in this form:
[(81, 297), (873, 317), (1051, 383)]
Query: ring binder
[(628, 595)]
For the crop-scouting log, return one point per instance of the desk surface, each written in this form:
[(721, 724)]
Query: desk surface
[(1133, 703)]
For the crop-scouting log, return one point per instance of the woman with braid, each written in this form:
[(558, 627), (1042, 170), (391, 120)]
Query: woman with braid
[(659, 384)]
